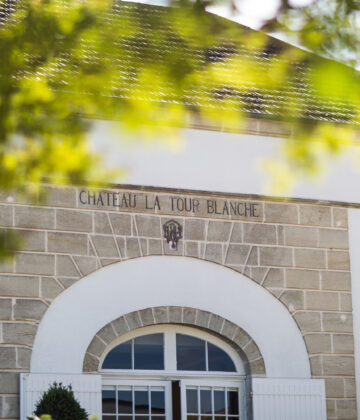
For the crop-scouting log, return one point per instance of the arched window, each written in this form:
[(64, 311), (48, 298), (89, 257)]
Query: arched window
[(172, 372)]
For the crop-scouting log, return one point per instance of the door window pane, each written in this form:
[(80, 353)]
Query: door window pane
[(233, 402), (149, 352), (192, 400), (124, 400), (141, 401), (109, 401), (119, 357), (157, 402), (190, 353), (218, 360), (219, 401), (205, 401)]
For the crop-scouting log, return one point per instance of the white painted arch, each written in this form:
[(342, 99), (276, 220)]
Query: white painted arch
[(79, 312)]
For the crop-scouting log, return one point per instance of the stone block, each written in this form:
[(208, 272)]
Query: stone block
[(337, 322), (237, 254), (175, 314), (19, 333), (66, 281), (293, 299), (194, 230), (105, 246), (107, 334), (19, 286), (9, 383), (350, 387), (219, 231), (340, 217), (30, 263), (148, 226), (121, 246), (68, 243), (338, 260), (334, 387), (273, 256), (202, 318), (161, 314), (213, 252), (50, 288), (310, 258), (316, 365), (7, 266), (257, 367), (91, 363), (228, 329), (241, 338), (315, 215), (133, 320), (189, 316), (308, 321), (120, 326), (301, 236), (318, 343), (32, 240), (28, 309), (346, 409), (155, 247), (338, 365), (132, 248), (121, 224), (7, 357), (322, 301), (345, 302), (74, 220), (302, 279), (216, 323), (333, 238), (5, 309), (86, 265), (9, 406), (335, 280), (237, 235), (274, 278), (6, 215), (330, 409), (343, 343), (281, 213), (102, 223), (147, 317), (257, 274), (34, 217), (192, 249), (259, 233), (65, 266), (96, 347), (252, 351), (60, 196), (23, 357)]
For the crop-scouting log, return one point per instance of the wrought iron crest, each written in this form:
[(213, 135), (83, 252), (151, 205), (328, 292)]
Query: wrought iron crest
[(172, 233)]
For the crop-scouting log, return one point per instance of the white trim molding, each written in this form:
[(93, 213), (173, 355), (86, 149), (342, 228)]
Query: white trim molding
[(79, 312)]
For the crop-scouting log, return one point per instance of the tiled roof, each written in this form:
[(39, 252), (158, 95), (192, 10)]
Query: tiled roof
[(230, 55)]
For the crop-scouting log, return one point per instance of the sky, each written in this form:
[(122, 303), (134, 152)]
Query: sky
[(251, 12)]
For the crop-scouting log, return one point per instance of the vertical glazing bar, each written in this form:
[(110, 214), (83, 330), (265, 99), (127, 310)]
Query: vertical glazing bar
[(198, 401), (226, 403), (206, 357), (132, 354), (149, 399)]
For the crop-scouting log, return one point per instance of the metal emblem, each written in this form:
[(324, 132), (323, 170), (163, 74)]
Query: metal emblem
[(172, 233)]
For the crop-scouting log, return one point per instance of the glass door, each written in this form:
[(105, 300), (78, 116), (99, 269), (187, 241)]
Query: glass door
[(213, 400), (137, 400)]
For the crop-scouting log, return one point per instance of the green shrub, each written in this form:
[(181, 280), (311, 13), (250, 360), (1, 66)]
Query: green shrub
[(60, 403)]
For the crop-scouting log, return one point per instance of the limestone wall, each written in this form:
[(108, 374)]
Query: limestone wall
[(298, 251)]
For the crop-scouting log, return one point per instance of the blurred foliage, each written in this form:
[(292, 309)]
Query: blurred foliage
[(65, 60)]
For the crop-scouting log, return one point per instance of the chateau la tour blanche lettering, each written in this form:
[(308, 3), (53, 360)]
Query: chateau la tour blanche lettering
[(169, 204)]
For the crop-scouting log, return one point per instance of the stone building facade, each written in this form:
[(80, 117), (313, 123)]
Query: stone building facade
[(297, 251)]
